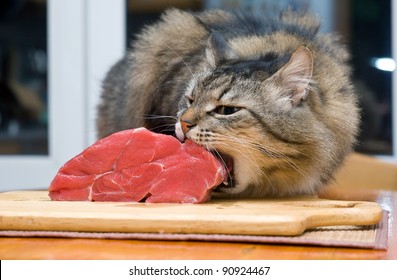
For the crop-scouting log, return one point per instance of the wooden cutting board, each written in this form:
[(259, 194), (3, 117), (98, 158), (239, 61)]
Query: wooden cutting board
[(33, 210)]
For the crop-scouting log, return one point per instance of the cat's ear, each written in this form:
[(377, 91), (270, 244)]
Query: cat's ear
[(296, 75), (218, 50)]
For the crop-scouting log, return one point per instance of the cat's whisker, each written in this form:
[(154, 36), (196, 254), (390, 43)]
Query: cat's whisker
[(208, 146), (183, 60), (222, 139), (164, 127), (290, 162), (167, 128), (277, 155), (151, 117), (285, 158), (282, 161), (219, 156)]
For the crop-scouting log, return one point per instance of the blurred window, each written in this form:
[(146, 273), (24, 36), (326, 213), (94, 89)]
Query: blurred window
[(23, 77)]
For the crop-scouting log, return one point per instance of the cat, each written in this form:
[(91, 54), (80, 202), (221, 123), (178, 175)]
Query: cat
[(272, 98)]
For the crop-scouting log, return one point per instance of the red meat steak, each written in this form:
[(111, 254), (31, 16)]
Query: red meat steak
[(139, 165)]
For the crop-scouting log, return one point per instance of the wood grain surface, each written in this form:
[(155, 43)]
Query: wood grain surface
[(33, 210), (64, 248)]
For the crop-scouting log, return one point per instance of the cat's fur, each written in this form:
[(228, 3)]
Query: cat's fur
[(272, 94)]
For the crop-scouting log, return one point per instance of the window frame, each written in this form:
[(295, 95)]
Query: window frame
[(81, 48)]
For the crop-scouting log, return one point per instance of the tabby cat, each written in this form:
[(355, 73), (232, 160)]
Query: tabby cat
[(271, 97)]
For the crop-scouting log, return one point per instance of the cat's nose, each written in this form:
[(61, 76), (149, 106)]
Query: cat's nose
[(186, 125)]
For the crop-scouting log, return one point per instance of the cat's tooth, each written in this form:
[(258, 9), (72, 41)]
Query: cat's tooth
[(179, 133)]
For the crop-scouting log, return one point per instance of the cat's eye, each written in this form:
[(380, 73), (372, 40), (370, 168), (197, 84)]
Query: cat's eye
[(226, 110)]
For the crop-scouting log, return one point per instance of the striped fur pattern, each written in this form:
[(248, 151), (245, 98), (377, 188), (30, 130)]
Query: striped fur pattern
[(271, 97)]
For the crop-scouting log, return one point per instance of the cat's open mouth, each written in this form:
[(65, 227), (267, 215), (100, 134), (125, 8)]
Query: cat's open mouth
[(228, 162)]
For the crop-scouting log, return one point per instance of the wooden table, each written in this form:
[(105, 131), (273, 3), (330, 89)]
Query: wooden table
[(60, 248)]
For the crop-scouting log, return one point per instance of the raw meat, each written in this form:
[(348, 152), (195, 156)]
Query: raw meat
[(139, 165)]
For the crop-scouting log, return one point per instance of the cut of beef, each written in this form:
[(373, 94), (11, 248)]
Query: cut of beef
[(139, 165)]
